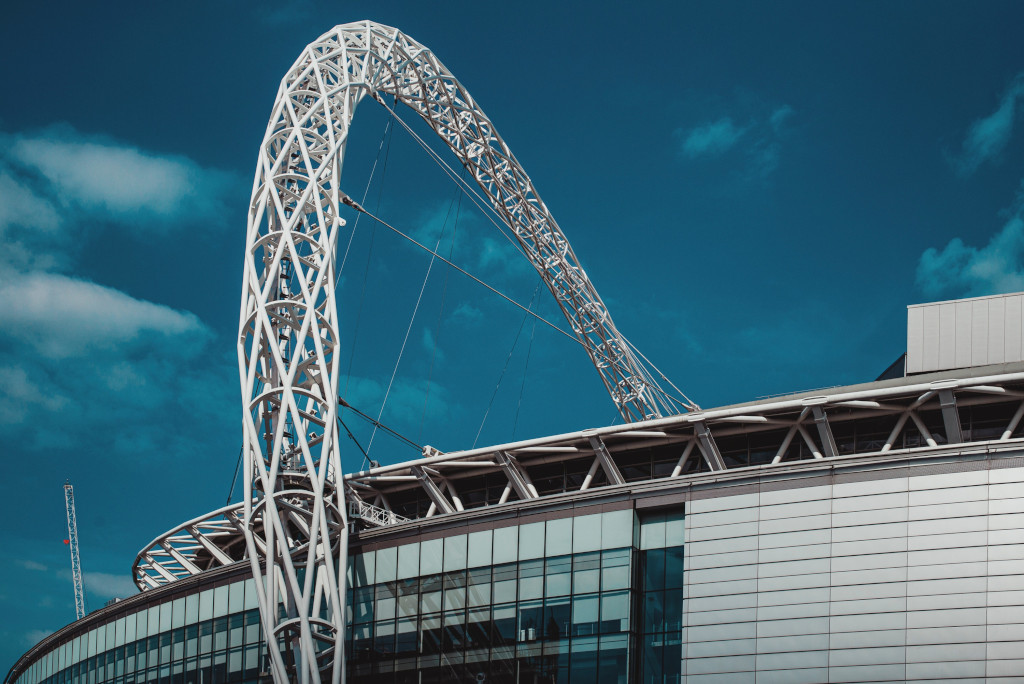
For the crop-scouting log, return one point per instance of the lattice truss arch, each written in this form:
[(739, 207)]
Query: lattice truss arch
[(296, 527)]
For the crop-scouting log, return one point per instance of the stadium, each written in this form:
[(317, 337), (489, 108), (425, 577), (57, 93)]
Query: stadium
[(863, 533)]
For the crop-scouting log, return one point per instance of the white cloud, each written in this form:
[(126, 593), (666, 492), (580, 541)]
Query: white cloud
[(117, 181), (467, 312), (712, 139), (106, 585), (757, 142), (34, 636), (62, 317), (32, 565), (964, 270), (987, 137)]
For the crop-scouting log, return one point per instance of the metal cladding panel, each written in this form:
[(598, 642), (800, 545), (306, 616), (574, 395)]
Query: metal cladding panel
[(966, 332)]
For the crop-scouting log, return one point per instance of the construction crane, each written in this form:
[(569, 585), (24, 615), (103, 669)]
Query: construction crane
[(72, 541)]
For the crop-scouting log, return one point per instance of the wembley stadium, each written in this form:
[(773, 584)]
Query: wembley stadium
[(864, 533)]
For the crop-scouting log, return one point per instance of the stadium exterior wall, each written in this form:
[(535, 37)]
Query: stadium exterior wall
[(897, 567)]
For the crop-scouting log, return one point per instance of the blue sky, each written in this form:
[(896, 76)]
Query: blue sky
[(757, 191)]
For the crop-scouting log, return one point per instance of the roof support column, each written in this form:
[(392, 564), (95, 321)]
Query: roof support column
[(828, 442), (950, 417), (433, 491), (607, 464), (708, 447)]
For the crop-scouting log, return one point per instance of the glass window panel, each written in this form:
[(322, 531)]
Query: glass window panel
[(586, 572), (407, 637), (408, 597), (675, 529), (504, 625), (430, 556), (109, 642), (101, 639), (454, 636), (408, 560), (531, 579), (236, 597), (585, 615), (654, 568), (431, 634), (478, 628), (557, 617), (586, 533), (387, 565), (673, 611), (191, 612), (674, 567), (363, 569), (220, 601), (130, 628), (615, 569), (454, 590), (479, 545), (205, 605), (506, 545), (362, 605), (531, 541), (384, 639), (652, 532), (504, 586), (177, 607), (531, 621), (386, 600), (558, 536), (615, 612), (613, 662), (558, 576), (455, 553), (430, 594), (616, 529), (478, 586), (252, 599), (153, 620)]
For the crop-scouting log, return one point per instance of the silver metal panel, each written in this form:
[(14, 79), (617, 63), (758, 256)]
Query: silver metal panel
[(963, 333), (979, 333)]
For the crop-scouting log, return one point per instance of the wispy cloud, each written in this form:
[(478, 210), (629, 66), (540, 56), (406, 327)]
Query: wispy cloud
[(959, 269), (60, 316), (105, 585), (32, 565), (712, 139), (114, 180), (34, 636), (757, 140), (987, 137), (81, 362)]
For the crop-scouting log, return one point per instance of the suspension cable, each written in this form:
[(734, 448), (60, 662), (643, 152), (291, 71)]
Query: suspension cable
[(440, 311), (234, 478), (408, 330), (352, 234), (505, 368), (522, 386), (355, 205), (382, 426), (366, 271), (483, 205)]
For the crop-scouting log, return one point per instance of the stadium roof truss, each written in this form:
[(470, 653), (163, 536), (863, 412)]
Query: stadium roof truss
[(929, 412)]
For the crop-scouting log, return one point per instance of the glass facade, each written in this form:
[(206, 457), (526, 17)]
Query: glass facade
[(208, 637), (914, 573), (540, 602)]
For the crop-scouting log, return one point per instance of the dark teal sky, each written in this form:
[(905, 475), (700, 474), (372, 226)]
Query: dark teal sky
[(756, 189)]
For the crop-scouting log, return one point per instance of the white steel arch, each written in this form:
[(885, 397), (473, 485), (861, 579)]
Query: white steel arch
[(295, 522)]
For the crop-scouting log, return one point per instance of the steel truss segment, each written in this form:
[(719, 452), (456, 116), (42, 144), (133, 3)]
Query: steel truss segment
[(219, 538)]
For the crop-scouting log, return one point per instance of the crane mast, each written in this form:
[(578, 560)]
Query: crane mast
[(76, 565)]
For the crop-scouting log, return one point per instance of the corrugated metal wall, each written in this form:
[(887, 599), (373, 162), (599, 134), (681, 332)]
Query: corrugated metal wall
[(965, 332)]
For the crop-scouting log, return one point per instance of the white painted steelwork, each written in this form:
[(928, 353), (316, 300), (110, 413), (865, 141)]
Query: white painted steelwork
[(805, 419), (295, 524), (76, 563)]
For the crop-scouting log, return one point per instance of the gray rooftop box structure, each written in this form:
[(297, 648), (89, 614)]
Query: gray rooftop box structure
[(965, 332)]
